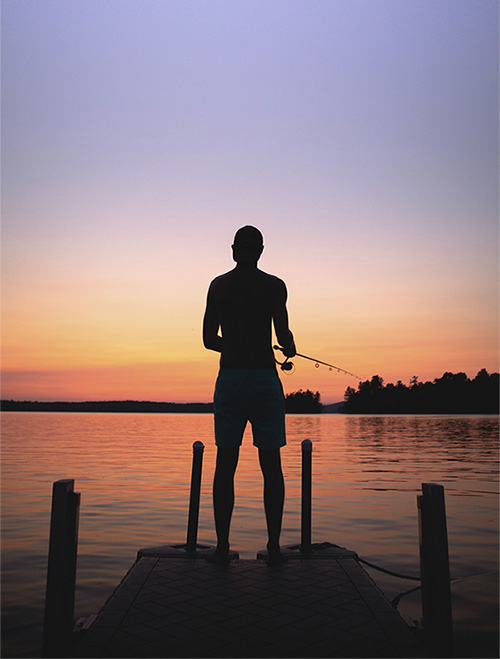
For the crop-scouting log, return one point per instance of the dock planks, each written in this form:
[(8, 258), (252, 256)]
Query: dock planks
[(174, 604)]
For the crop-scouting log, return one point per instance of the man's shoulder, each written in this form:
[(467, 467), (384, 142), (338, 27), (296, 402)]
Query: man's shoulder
[(271, 280), (221, 279)]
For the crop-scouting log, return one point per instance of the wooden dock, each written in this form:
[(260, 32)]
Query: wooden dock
[(173, 603)]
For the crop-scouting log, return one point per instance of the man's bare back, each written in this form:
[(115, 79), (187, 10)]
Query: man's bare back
[(245, 301)]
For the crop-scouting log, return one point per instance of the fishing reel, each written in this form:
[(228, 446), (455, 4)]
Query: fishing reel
[(287, 366)]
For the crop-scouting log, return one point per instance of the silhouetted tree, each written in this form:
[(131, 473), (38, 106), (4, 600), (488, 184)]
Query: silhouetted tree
[(453, 393), (303, 402)]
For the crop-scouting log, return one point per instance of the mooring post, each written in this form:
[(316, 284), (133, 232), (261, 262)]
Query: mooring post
[(194, 498), (61, 569), (305, 527), (435, 569)]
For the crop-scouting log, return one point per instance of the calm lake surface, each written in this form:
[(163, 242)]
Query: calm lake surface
[(133, 472)]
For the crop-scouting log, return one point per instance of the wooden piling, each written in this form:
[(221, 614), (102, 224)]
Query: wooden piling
[(306, 512), (435, 569), (194, 498), (61, 569)]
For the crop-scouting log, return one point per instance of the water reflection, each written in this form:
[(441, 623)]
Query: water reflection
[(133, 472), (470, 440)]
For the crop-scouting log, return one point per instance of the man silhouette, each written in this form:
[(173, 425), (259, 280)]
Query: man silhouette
[(244, 303)]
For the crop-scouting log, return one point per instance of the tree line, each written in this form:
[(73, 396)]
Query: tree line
[(303, 402), (453, 393)]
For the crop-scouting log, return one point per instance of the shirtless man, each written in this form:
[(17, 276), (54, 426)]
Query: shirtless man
[(244, 303)]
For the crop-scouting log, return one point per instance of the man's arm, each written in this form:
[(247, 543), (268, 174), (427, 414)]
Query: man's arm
[(211, 338), (280, 319)]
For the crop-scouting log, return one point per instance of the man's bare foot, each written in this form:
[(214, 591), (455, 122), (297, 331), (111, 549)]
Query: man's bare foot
[(275, 556), (218, 557)]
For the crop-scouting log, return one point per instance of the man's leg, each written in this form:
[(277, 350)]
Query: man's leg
[(274, 497), (223, 498)]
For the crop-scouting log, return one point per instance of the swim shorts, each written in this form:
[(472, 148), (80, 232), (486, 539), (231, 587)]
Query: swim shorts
[(254, 395)]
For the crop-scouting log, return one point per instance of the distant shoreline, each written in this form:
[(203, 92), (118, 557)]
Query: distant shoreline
[(104, 406), (121, 406), (148, 407)]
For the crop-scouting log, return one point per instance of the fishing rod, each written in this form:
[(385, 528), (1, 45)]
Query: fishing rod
[(288, 365)]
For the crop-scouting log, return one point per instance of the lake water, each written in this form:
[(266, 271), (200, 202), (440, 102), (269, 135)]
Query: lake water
[(133, 472)]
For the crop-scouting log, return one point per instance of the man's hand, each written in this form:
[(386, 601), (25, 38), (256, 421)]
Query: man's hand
[(289, 350)]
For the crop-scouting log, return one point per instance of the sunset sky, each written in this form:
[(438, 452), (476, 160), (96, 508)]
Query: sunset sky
[(360, 136)]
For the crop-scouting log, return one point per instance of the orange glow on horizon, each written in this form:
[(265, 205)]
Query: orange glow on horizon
[(118, 341), (192, 381)]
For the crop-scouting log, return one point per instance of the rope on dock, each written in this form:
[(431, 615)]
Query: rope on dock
[(393, 574), (407, 576)]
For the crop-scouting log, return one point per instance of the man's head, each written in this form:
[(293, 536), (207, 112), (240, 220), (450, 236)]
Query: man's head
[(248, 245)]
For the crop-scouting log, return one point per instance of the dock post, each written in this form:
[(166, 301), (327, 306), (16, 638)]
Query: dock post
[(435, 569), (305, 529), (194, 498), (61, 569)]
